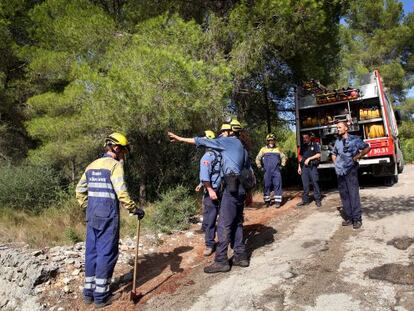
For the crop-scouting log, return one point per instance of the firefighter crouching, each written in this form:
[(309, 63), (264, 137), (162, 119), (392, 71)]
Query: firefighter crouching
[(270, 158), (309, 155), (210, 179), (230, 223), (100, 190)]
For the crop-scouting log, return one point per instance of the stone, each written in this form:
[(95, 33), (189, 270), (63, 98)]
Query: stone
[(69, 261), (66, 289), (75, 272), (66, 280), (77, 264), (189, 234), (287, 275), (37, 253)]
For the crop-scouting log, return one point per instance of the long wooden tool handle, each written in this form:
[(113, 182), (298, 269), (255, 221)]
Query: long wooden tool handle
[(134, 284)]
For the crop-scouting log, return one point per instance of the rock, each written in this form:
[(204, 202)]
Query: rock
[(60, 309), (72, 254), (78, 246), (189, 234), (288, 275), (66, 280), (37, 253), (69, 261), (75, 272), (77, 264), (66, 289)]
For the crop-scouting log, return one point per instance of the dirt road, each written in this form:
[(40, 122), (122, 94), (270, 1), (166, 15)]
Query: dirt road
[(305, 260)]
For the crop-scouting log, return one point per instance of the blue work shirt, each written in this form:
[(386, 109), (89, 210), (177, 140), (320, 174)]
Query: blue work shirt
[(309, 150), (235, 156), (345, 150), (210, 168)]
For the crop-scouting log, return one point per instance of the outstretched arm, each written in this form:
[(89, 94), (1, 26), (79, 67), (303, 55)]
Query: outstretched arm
[(175, 138)]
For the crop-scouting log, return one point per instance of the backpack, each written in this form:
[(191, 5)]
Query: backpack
[(214, 170)]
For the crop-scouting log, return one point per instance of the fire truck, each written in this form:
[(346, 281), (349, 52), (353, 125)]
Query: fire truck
[(369, 114)]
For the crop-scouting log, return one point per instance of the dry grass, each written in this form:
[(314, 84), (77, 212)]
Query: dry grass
[(59, 225)]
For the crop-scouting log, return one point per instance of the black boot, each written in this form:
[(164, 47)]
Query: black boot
[(318, 203), (302, 204), (240, 262), (357, 224), (347, 223), (217, 267)]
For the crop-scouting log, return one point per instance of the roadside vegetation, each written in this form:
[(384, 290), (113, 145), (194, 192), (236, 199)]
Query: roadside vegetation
[(73, 71)]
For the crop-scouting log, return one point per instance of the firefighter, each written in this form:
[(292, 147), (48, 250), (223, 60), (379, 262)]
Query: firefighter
[(272, 158), (309, 155), (348, 150), (230, 223), (100, 190), (210, 178)]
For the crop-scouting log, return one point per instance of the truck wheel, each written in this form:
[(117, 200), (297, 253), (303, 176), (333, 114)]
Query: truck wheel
[(400, 167)]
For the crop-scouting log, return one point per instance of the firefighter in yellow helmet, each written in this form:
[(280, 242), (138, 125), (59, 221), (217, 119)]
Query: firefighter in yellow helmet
[(270, 158), (100, 190), (210, 179)]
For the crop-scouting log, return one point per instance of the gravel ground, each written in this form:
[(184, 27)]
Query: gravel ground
[(311, 262)]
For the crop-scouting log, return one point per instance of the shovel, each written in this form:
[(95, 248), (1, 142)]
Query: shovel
[(134, 296)]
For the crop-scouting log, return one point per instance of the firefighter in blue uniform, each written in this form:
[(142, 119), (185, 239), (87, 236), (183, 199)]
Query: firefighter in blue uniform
[(309, 155), (210, 179), (347, 151), (271, 158), (230, 223), (100, 190)]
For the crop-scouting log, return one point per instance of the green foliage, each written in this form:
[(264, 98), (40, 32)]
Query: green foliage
[(73, 236), (377, 35), (173, 211), (28, 187), (407, 129)]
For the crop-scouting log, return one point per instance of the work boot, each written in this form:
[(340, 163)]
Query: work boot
[(302, 204), (357, 224), (277, 204), (267, 203), (108, 301), (318, 203), (208, 251), (217, 267), (346, 223), (87, 300), (240, 262)]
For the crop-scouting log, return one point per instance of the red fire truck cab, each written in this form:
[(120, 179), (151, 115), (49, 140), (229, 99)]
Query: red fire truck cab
[(369, 114)]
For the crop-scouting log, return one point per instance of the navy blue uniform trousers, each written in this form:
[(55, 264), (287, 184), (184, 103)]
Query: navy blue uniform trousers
[(309, 176), (210, 212), (348, 187), (101, 254), (273, 181), (230, 225)]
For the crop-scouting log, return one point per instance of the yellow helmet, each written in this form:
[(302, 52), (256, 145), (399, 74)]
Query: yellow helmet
[(235, 125), (270, 137), (225, 127), (210, 134), (117, 139)]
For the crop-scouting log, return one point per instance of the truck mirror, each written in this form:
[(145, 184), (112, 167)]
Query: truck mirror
[(398, 118)]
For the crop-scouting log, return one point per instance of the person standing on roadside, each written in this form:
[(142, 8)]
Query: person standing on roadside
[(230, 223), (309, 155), (270, 159), (100, 190), (348, 150), (210, 179)]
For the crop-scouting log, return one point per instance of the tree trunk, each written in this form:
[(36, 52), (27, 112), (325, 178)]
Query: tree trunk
[(268, 116)]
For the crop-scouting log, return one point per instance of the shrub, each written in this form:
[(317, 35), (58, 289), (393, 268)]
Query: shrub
[(173, 211), (28, 187)]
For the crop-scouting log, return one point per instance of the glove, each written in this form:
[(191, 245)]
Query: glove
[(139, 212)]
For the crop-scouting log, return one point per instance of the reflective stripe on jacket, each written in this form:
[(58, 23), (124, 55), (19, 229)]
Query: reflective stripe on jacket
[(102, 187)]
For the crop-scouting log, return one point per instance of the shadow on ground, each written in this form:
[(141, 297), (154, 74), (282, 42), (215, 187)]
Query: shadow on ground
[(258, 235), (152, 265), (378, 208)]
